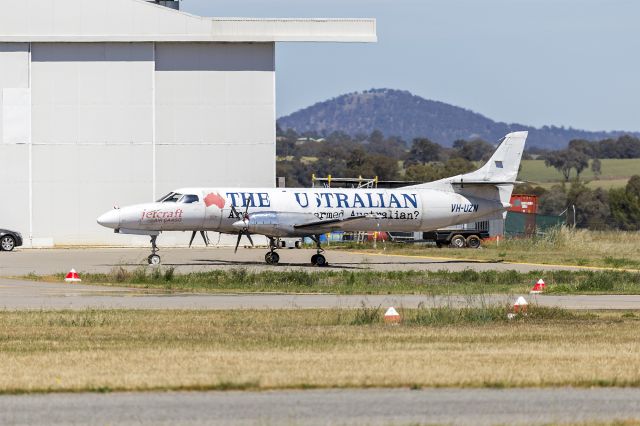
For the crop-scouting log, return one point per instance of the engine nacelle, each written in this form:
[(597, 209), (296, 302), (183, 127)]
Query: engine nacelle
[(276, 224)]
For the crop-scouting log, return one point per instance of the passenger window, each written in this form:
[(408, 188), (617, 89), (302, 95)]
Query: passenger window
[(189, 199)]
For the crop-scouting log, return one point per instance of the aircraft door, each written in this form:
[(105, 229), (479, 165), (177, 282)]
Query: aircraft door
[(193, 211)]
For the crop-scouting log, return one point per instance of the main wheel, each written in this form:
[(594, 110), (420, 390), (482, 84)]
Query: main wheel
[(473, 241), (154, 259), (458, 241), (272, 258), (314, 259), (7, 243), (321, 260)]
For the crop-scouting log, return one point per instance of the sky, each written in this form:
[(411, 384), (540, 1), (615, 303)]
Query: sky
[(572, 63)]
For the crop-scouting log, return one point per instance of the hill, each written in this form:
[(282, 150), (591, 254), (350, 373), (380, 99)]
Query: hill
[(400, 113)]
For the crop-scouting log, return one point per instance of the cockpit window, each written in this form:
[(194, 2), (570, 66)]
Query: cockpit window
[(171, 197), (189, 199), (161, 199)]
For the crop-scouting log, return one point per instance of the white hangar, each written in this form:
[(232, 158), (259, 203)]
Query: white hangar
[(120, 101)]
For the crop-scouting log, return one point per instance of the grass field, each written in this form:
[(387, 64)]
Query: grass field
[(146, 350), (615, 173), (368, 282), (564, 246)]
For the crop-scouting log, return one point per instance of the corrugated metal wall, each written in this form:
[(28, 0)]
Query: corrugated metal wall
[(122, 122)]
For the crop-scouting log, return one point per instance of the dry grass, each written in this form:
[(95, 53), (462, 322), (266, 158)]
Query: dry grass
[(136, 350), (566, 246)]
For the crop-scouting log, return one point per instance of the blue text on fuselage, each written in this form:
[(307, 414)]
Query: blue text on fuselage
[(251, 199), (464, 208), (355, 200)]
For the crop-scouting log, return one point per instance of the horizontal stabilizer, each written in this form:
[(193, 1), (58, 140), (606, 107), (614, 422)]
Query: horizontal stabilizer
[(483, 182)]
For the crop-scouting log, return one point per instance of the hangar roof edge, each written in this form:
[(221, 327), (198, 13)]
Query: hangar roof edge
[(139, 21)]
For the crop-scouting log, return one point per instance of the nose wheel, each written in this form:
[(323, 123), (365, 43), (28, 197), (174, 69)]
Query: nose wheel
[(153, 258), (272, 258)]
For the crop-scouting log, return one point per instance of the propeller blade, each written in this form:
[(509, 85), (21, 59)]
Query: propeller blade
[(238, 242), (193, 235), (249, 237)]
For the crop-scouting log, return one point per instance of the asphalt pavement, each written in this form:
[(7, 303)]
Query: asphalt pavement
[(19, 294), (326, 407)]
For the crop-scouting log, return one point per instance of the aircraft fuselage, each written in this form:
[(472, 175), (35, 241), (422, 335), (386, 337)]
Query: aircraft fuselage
[(275, 212)]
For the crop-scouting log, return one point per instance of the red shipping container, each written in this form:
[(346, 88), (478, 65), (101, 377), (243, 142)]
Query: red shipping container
[(523, 203)]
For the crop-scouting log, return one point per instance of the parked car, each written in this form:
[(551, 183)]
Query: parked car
[(9, 240)]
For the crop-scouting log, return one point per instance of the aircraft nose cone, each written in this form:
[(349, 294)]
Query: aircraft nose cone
[(110, 219)]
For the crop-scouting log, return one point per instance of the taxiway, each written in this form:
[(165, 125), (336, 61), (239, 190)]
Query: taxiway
[(103, 260)]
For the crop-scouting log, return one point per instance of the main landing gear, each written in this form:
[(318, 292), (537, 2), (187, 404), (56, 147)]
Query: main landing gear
[(318, 259), (153, 258), (272, 258)]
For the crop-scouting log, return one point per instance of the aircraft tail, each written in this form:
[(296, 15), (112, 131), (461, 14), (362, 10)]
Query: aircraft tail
[(503, 165), (493, 180)]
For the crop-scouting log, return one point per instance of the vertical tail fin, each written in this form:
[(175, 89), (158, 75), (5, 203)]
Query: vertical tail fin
[(503, 165), (494, 180)]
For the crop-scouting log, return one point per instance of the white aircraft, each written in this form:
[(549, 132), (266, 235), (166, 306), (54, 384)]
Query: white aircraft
[(297, 212)]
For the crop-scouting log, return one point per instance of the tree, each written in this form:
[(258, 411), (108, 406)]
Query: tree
[(625, 205), (592, 206), (566, 160), (596, 168), (475, 150), (633, 187), (390, 147), (457, 166), (425, 172), (553, 202), (579, 161), (423, 151), (527, 188), (582, 146), (384, 167), (558, 160)]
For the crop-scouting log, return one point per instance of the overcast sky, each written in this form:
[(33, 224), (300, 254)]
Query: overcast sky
[(563, 62)]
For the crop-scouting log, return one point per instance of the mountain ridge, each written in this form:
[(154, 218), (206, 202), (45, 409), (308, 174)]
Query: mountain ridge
[(401, 113)]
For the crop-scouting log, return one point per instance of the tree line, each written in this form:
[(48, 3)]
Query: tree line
[(391, 158), (388, 158)]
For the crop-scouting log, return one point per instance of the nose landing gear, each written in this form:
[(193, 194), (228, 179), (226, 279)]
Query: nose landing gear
[(272, 258), (153, 258)]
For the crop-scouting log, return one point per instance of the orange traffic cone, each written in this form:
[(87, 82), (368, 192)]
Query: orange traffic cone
[(539, 287), (392, 316), (520, 306), (72, 277)]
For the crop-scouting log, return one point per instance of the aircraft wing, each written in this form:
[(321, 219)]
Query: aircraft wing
[(328, 225)]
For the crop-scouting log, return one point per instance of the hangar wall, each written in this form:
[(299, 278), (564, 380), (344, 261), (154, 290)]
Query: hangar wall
[(123, 123)]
